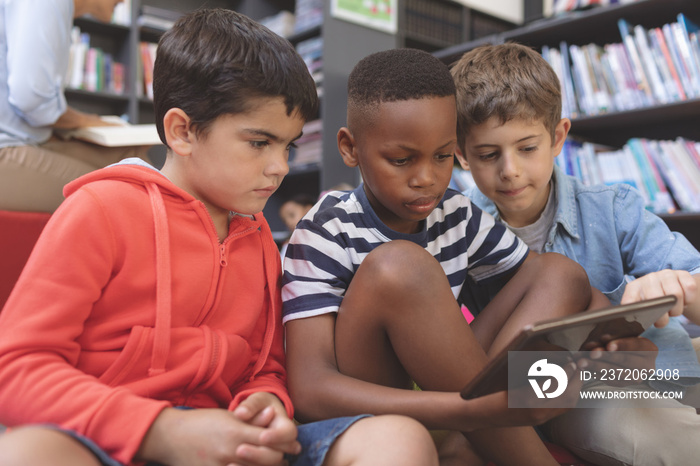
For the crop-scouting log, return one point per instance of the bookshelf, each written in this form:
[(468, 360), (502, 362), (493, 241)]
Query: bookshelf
[(422, 24), (666, 121)]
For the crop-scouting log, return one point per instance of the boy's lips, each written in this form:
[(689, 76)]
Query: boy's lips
[(422, 204), (512, 192), (267, 191)]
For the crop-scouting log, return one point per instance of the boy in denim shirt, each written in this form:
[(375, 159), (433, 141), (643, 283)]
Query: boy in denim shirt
[(373, 277), (509, 131)]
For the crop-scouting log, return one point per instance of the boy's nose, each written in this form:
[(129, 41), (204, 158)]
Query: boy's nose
[(509, 167), (278, 165), (424, 176)]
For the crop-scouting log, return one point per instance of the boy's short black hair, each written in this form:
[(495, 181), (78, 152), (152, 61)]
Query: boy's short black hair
[(395, 75), (216, 61)]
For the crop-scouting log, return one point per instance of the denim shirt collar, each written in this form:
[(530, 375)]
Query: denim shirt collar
[(566, 214), (565, 198)]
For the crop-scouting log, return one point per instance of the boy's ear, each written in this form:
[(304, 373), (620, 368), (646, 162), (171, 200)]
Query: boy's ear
[(346, 146), (176, 125), (560, 133), (461, 159)]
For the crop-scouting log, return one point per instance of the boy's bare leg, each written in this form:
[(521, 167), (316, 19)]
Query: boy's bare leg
[(545, 286), (399, 322), (384, 441), (39, 446)]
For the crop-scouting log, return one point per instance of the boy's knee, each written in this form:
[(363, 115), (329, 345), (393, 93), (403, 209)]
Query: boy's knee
[(391, 439), (402, 263), (41, 446), (558, 267)]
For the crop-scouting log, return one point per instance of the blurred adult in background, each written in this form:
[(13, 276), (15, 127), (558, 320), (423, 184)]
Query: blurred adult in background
[(35, 42)]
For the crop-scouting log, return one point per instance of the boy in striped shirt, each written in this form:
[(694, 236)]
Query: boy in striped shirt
[(374, 277)]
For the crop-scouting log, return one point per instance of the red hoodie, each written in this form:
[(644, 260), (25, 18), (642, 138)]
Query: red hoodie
[(129, 304)]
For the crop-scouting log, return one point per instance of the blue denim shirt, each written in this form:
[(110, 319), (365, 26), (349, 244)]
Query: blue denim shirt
[(608, 231)]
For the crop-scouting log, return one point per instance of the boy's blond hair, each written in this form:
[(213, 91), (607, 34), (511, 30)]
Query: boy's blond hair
[(507, 81)]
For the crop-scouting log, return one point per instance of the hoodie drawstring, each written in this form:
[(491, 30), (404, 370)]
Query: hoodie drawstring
[(161, 338)]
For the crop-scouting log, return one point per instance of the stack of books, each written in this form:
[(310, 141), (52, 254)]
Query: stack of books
[(92, 69), (309, 147), (649, 67), (311, 50), (665, 172), (308, 15)]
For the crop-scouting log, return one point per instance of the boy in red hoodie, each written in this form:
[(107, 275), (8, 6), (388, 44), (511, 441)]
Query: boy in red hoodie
[(154, 290)]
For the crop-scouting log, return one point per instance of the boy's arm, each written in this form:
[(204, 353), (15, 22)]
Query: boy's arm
[(39, 330), (657, 258)]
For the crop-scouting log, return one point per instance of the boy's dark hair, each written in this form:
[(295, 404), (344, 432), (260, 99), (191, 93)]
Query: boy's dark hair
[(395, 75), (507, 81), (216, 61)]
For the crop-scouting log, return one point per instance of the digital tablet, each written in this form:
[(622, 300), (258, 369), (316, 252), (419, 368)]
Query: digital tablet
[(578, 332)]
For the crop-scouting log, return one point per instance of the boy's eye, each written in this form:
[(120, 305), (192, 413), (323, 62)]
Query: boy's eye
[(291, 146), (529, 149), (489, 156), (442, 157), (399, 162), (259, 144)]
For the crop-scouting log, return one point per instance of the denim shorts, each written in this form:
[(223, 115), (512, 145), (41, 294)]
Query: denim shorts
[(316, 439)]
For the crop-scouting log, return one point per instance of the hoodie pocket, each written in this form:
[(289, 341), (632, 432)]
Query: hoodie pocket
[(136, 350)]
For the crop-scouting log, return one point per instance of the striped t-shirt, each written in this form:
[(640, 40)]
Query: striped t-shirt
[(330, 242)]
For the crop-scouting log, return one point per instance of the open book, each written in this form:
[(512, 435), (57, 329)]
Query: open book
[(112, 136)]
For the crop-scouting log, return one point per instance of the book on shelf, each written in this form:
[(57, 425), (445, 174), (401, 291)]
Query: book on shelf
[(665, 172), (147, 54), (649, 65), (309, 148), (635, 60), (118, 134), (666, 65), (281, 23), (682, 29), (654, 66), (559, 7), (90, 68), (308, 14)]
